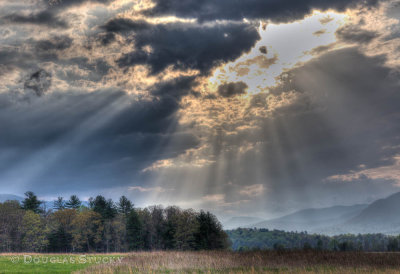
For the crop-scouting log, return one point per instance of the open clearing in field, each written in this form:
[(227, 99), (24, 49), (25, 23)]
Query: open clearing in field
[(205, 262), (254, 262)]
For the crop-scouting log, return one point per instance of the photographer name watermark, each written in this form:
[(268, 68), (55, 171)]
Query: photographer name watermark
[(81, 259)]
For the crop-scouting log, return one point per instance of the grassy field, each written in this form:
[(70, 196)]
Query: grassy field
[(54, 263), (206, 262)]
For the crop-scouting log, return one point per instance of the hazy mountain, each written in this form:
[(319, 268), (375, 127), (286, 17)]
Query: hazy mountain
[(313, 219), (236, 222), (9, 197), (381, 211), (381, 216)]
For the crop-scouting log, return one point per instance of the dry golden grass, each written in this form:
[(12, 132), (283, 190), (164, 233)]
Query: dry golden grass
[(253, 262)]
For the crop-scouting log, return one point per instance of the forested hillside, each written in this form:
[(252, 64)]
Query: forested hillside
[(248, 239)]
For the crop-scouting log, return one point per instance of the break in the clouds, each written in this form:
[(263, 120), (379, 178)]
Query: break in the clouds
[(236, 107)]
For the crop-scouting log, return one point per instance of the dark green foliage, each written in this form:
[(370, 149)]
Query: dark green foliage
[(105, 208), (393, 245), (11, 216), (73, 202), (320, 244), (210, 234), (346, 246), (307, 246), (253, 239), (59, 204), (279, 247), (31, 202), (60, 240), (171, 226), (124, 206), (134, 231)]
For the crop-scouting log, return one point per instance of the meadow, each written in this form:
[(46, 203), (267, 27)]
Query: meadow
[(53, 263), (206, 262)]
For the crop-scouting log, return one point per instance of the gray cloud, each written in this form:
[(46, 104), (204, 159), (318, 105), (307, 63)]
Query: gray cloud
[(54, 43), (232, 89), (66, 3), (44, 18), (125, 25), (39, 82), (278, 11), (184, 46), (354, 34)]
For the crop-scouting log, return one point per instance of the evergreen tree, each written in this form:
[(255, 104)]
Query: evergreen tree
[(59, 204), (210, 234), (105, 208), (124, 206), (171, 227), (61, 224), (73, 202), (60, 240), (134, 231), (31, 202)]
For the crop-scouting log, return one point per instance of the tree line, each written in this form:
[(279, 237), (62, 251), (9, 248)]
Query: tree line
[(253, 239), (104, 226)]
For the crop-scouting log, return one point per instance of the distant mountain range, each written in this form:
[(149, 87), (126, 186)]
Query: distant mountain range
[(313, 219), (381, 216), (236, 222), (10, 197)]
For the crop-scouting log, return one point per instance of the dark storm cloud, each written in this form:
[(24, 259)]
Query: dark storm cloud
[(175, 88), (125, 25), (232, 89), (184, 46), (66, 3), (279, 11), (13, 57), (44, 18)]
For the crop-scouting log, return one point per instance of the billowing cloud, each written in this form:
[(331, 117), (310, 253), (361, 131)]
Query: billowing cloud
[(184, 46)]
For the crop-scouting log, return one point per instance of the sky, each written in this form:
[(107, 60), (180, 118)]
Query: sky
[(245, 108)]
